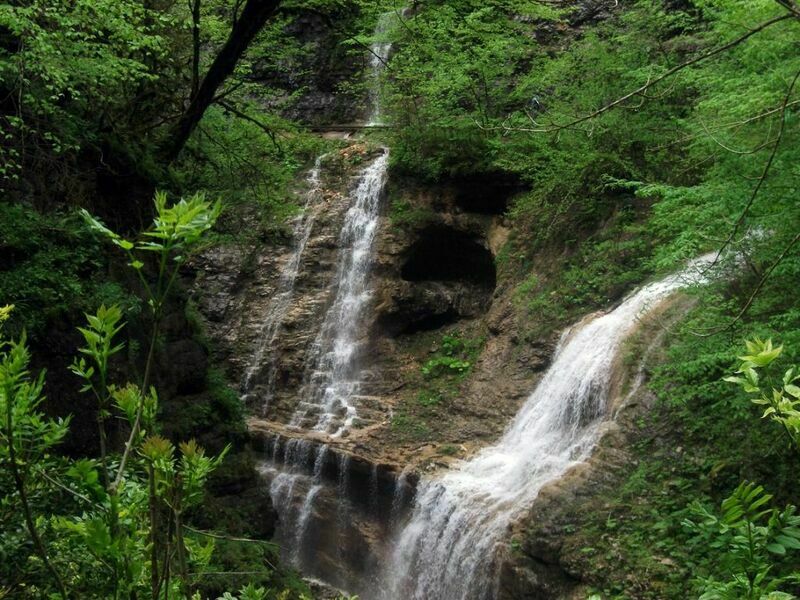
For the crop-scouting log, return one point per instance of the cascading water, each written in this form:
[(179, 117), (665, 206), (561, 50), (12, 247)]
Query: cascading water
[(448, 548), (333, 374), (307, 478), (282, 299)]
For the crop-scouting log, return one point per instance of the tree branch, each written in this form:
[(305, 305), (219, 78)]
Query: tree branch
[(755, 293), (244, 116), (763, 176), (252, 19), (654, 81)]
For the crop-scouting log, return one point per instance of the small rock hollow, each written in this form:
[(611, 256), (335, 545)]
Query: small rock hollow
[(445, 254)]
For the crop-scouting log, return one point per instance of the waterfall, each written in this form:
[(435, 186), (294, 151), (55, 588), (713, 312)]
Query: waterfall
[(298, 471), (282, 299), (447, 550), (333, 375)]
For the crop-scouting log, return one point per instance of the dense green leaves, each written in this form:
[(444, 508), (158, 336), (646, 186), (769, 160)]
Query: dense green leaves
[(55, 270), (745, 538), (71, 69), (121, 533), (778, 393)]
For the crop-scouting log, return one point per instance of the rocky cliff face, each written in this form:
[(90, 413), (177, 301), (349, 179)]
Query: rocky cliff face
[(434, 273), (305, 84)]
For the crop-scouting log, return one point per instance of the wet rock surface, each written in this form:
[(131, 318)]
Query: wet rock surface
[(429, 276), (433, 272)]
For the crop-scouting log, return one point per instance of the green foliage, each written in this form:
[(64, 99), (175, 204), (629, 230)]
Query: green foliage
[(254, 172), (782, 403), (404, 214), (27, 434), (445, 365), (602, 269), (70, 69), (122, 532), (454, 68), (445, 362), (427, 398), (215, 417), (409, 426), (448, 450), (749, 535), (746, 537), (248, 592), (454, 357), (54, 270)]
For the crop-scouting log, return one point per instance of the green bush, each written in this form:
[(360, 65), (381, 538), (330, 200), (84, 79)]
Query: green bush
[(52, 270), (454, 357)]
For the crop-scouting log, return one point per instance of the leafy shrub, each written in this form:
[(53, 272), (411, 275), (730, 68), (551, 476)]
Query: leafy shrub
[(746, 540), (52, 269), (454, 357)]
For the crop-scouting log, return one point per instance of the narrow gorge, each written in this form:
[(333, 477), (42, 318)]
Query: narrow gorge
[(399, 300)]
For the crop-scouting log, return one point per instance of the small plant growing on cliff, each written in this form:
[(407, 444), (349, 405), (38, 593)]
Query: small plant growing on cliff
[(428, 398), (455, 356)]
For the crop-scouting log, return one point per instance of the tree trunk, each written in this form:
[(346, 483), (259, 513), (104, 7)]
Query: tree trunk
[(252, 18)]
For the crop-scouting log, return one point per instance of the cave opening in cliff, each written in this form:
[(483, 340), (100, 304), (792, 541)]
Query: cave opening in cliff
[(445, 254)]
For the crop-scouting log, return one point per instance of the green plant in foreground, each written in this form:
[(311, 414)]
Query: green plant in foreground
[(782, 402), (747, 537), (750, 538), (121, 531), (27, 435)]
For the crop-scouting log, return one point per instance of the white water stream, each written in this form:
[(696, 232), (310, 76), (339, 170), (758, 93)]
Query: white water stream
[(333, 375), (295, 468), (379, 57), (448, 549), (282, 300), (332, 371)]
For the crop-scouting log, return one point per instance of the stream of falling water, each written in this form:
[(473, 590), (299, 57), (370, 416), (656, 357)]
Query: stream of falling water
[(332, 370), (379, 56), (282, 299), (299, 472), (448, 548)]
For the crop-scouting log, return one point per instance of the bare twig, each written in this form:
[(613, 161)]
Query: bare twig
[(791, 6), (231, 538), (755, 292), (654, 81), (729, 125)]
